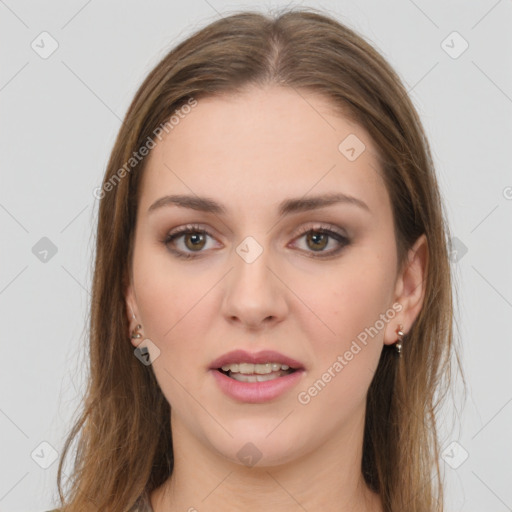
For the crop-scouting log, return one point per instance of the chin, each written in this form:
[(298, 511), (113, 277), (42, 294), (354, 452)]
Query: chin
[(259, 450)]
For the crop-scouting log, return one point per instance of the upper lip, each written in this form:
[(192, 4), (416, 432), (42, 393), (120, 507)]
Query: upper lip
[(264, 356)]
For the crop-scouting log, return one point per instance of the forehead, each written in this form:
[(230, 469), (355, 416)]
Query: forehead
[(252, 149)]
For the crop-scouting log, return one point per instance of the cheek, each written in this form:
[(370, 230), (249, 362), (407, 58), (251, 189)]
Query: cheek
[(176, 309), (174, 313), (345, 359), (346, 331), (168, 299), (345, 300)]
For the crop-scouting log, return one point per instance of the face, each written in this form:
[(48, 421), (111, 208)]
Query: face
[(318, 285)]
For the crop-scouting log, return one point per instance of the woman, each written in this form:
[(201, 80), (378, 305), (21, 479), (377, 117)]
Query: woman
[(271, 240)]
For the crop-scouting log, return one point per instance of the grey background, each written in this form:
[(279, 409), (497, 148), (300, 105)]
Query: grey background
[(59, 119)]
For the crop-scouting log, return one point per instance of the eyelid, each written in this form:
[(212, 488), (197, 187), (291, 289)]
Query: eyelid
[(184, 230), (332, 231), (312, 226), (319, 226), (189, 227)]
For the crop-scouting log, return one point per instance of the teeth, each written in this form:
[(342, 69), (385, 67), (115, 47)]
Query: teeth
[(249, 368), (257, 378)]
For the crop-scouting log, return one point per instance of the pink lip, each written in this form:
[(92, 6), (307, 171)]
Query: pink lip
[(256, 392), (265, 356)]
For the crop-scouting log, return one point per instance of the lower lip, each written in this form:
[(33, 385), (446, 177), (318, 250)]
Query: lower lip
[(256, 392)]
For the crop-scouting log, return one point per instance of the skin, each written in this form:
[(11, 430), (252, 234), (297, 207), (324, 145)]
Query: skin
[(250, 152)]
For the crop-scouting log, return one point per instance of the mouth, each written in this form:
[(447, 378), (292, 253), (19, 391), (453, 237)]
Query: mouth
[(256, 378), (248, 372), (262, 366)]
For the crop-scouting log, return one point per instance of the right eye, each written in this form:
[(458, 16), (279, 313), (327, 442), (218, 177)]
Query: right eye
[(194, 239)]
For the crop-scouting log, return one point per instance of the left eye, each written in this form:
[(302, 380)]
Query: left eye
[(318, 239)]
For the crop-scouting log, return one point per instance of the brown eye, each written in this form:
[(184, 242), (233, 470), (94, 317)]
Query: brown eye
[(319, 240), (197, 240), (187, 242)]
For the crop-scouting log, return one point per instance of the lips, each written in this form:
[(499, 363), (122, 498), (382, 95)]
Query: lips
[(265, 356)]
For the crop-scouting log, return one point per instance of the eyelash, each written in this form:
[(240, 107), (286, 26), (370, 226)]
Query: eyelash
[(196, 229)]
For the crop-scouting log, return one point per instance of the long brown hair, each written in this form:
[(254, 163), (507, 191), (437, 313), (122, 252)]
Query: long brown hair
[(124, 442)]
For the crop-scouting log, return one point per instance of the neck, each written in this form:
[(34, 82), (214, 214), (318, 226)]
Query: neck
[(328, 479)]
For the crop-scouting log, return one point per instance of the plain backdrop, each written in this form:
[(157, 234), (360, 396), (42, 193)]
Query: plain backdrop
[(60, 114)]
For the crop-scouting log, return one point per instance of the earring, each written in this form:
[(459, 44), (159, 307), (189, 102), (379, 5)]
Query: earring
[(135, 333), (398, 344)]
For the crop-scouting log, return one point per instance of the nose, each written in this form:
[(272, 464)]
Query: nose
[(255, 294)]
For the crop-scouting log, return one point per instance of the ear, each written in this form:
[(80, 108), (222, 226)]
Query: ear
[(132, 313), (409, 289)]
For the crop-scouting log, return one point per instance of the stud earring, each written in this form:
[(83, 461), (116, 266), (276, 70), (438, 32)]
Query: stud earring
[(398, 344), (135, 333)]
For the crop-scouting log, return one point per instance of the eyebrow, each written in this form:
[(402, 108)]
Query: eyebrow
[(286, 207)]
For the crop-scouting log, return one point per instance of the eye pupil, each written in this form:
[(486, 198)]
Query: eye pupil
[(195, 237), (315, 236)]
